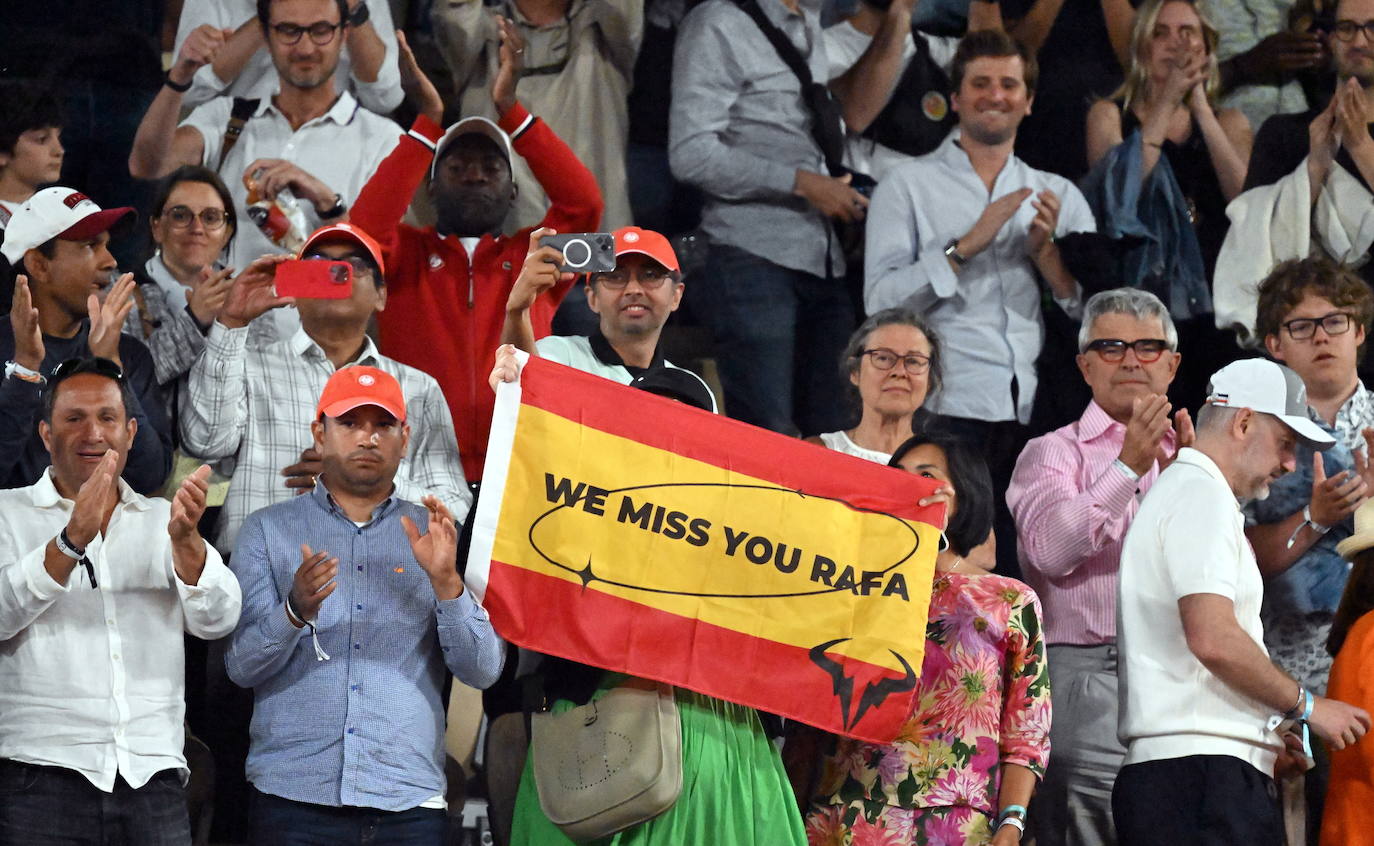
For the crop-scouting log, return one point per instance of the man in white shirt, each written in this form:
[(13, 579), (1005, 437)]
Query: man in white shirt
[(1200, 699), (308, 138), (243, 68), (966, 236), (97, 584)]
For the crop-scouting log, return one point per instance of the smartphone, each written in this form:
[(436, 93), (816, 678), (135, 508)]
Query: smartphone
[(313, 279), (587, 252)]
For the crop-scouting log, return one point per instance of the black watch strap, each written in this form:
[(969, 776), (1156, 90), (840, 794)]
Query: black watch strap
[(360, 15), (336, 210), (181, 88)]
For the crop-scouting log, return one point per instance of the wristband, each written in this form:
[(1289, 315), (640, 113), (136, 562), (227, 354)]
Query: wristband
[(1306, 521), (359, 16), (293, 615), (19, 371), (336, 210), (1016, 822), (1302, 721), (66, 547), (1126, 470), (180, 88), (1018, 811)]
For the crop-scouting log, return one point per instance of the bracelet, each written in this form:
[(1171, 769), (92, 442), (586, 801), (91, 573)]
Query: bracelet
[(1016, 822), (180, 88), (67, 548), (359, 16), (1014, 811), (24, 374), (1152, 144), (1292, 713), (336, 210)]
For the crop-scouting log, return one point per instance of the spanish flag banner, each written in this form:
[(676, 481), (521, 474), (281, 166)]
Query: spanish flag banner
[(627, 531)]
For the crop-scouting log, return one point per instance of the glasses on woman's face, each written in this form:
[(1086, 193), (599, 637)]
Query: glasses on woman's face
[(180, 217), (1113, 350), (1335, 323), (1345, 30), (321, 32), (915, 363)]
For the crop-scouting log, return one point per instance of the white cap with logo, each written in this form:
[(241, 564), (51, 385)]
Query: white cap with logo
[(1269, 388), (58, 213)]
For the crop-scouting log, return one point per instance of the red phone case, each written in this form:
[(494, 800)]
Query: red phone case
[(314, 279)]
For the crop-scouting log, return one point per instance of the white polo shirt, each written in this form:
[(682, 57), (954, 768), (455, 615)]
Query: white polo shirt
[(1187, 538)]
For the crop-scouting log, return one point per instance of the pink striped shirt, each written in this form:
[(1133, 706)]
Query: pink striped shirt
[(1072, 508)]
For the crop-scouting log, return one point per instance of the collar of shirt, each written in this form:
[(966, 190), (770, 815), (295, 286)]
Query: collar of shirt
[(1351, 419), (778, 12), (606, 354), (1096, 422), (44, 494), (1203, 462), (341, 112), (326, 501), (303, 345)]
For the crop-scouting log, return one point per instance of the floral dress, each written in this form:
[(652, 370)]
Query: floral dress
[(984, 702)]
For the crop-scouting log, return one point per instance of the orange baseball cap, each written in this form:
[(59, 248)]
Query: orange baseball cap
[(336, 232), (359, 385), (632, 239)]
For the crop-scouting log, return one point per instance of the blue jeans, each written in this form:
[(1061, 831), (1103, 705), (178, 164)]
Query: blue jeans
[(55, 806), (283, 822), (779, 334)]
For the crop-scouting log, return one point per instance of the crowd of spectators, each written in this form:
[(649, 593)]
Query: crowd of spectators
[(1100, 268)]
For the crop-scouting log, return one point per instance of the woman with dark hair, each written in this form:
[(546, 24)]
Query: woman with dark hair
[(965, 764), (1348, 817), (183, 283), (892, 361)]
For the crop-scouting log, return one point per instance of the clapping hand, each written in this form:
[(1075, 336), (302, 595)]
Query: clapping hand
[(437, 549)]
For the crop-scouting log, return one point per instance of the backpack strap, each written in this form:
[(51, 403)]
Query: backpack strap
[(243, 109)]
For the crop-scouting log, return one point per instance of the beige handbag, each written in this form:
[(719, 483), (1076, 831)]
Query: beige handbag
[(615, 762)]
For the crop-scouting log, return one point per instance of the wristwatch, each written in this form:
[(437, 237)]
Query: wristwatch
[(952, 252), (359, 16), (336, 210)]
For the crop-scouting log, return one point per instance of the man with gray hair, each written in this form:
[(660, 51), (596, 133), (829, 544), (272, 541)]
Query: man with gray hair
[(1073, 494), (1202, 704)]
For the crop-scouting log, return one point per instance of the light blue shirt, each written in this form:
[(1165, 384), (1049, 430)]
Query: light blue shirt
[(989, 313), (365, 728)]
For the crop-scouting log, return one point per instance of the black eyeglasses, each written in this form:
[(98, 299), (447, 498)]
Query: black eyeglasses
[(1345, 30), (650, 278), (181, 217), (915, 363), (321, 32), (1114, 349), (73, 366), (360, 265), (1335, 323)]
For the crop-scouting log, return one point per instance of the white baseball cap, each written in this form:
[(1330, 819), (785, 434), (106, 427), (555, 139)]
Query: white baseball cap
[(1269, 388), (58, 213), (472, 126)]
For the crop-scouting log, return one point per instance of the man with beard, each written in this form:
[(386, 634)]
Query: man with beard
[(348, 722), (1310, 179), (449, 283), (966, 236), (308, 138), (1199, 695)]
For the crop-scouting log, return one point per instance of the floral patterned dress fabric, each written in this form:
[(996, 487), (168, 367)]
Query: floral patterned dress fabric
[(985, 702)]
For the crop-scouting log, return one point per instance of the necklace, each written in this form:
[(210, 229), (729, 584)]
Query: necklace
[(958, 562)]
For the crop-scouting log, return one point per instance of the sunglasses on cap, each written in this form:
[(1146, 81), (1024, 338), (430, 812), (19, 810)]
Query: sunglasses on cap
[(74, 366)]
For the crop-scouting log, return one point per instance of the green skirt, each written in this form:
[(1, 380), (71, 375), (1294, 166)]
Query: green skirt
[(734, 789)]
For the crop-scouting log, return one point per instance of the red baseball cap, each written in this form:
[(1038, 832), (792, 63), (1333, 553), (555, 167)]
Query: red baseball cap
[(335, 233), (632, 239), (359, 385), (59, 213)]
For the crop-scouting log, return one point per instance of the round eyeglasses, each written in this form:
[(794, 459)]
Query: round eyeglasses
[(915, 363), (181, 217)]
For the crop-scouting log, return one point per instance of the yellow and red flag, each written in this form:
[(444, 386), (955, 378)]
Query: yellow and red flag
[(627, 531)]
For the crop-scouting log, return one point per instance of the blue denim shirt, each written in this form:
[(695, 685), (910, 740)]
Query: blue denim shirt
[(1316, 580), (365, 728)]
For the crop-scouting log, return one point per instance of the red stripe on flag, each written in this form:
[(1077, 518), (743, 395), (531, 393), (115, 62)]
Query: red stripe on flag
[(558, 617), (590, 400)]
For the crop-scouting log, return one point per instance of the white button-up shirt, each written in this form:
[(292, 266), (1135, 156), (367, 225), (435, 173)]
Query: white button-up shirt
[(341, 148), (989, 313), (94, 679)]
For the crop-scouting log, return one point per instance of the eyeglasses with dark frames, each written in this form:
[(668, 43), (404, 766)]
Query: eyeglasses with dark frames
[(181, 217), (883, 359), (321, 32), (1345, 30), (1113, 350), (74, 366), (1335, 323), (360, 265), (650, 278)]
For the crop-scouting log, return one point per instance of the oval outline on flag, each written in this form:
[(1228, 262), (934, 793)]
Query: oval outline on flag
[(586, 572)]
